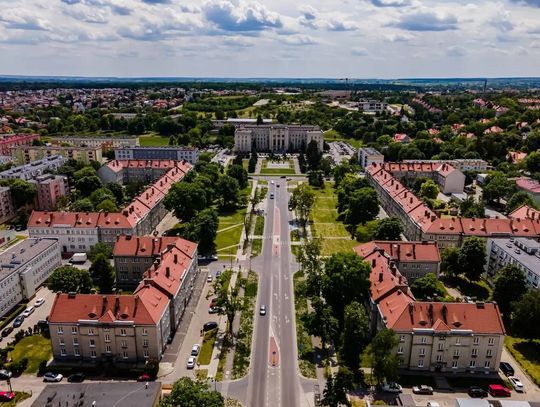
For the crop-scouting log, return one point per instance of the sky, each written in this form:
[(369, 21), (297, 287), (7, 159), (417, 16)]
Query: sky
[(271, 38)]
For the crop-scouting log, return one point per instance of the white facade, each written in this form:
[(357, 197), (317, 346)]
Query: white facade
[(188, 154), (34, 169), (115, 142), (368, 156), (276, 137), (372, 106)]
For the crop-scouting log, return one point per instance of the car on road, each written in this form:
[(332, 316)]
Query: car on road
[(39, 302), (5, 374), (190, 362), (477, 392), (506, 368), (272, 195), (52, 377), (283, 176), (213, 310), (218, 273), (422, 389), (392, 388), (18, 321), (498, 390), (6, 395), (262, 310), (208, 326), (195, 349), (272, 182), (7, 331), (28, 311), (516, 384), (76, 377), (432, 403), (209, 278), (145, 377)]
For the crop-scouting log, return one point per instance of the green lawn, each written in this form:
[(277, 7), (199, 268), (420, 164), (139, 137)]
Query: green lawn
[(19, 396), (256, 247), (277, 171), (153, 141), (332, 135), (259, 226), (479, 290), (36, 348), (207, 347), (527, 353), (230, 229)]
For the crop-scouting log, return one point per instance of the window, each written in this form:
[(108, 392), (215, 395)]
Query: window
[(145, 331), (439, 358), (441, 346), (106, 329), (60, 330), (487, 364), (424, 339), (61, 341), (456, 353), (421, 362), (489, 353), (76, 351), (93, 354), (145, 353), (475, 352), (402, 338), (107, 338), (90, 331), (75, 341), (108, 348), (145, 344), (472, 363), (92, 343), (422, 351), (74, 330), (124, 344), (125, 355), (491, 341), (63, 352), (476, 340), (123, 332), (458, 341), (454, 364)]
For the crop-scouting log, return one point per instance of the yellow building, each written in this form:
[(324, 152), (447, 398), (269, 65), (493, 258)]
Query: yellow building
[(28, 154)]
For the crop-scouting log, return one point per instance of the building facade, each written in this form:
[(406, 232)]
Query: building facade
[(24, 267), (49, 189), (7, 210), (279, 138), (372, 106), (130, 171), (189, 154), (368, 155), (523, 253), (28, 154), (15, 140), (105, 143), (34, 169), (462, 164)]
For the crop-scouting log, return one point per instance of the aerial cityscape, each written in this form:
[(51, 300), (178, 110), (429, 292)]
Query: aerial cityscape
[(227, 203)]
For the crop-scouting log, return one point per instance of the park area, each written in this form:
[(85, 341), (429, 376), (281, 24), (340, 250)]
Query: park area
[(335, 237), (285, 167)]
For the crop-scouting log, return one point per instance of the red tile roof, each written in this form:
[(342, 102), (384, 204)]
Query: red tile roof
[(146, 246), (405, 251), (525, 212)]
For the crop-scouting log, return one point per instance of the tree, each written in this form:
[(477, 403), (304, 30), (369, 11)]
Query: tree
[(428, 287), (313, 155), (449, 262), (228, 190), (335, 391), (363, 207), (429, 190), (82, 205), (22, 193), (355, 334), (532, 162), (229, 303), (255, 199), (118, 192), (469, 208), (526, 315), (345, 279), (389, 229), (238, 173), (309, 260), (301, 201), (252, 164), (186, 199), (100, 195), (102, 273), (497, 187), (203, 230), (100, 248), (384, 361), (326, 166), (472, 258), (519, 199), (316, 179), (88, 184), (510, 285), (320, 322), (68, 279), (107, 205), (187, 392)]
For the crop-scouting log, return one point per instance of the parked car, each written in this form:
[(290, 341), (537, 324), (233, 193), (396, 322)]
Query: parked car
[(506, 368), (392, 388), (39, 302), (7, 331), (209, 278), (497, 390), (432, 403), (195, 349), (76, 378), (477, 392), (518, 386), (213, 310), (18, 321), (262, 310), (218, 273), (6, 395), (5, 374), (190, 362), (272, 195), (52, 377), (28, 311), (208, 326), (422, 389), (145, 377)]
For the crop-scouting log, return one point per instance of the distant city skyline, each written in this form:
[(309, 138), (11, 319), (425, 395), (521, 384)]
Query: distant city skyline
[(271, 38)]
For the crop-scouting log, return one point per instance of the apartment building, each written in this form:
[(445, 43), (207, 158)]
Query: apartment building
[(372, 106), (28, 154), (521, 252), (432, 336), (413, 259), (14, 140), (24, 267), (106, 143), (130, 171), (7, 211), (368, 155), (176, 153), (49, 189), (34, 169), (449, 179), (279, 138), (461, 164), (530, 186), (525, 212)]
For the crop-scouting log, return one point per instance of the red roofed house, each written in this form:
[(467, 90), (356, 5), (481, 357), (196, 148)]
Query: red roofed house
[(530, 186), (516, 156), (525, 212), (402, 138)]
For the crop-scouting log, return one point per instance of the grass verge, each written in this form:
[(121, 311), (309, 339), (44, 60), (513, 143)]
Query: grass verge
[(201, 374), (305, 349), (19, 396), (35, 348), (242, 351), (259, 226), (527, 354), (256, 247), (225, 347), (207, 347)]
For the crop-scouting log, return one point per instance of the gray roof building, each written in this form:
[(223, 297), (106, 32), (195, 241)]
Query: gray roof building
[(34, 169)]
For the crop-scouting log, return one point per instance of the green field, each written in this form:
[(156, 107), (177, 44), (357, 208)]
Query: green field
[(230, 229), (527, 353), (332, 135), (35, 348), (277, 171), (153, 141)]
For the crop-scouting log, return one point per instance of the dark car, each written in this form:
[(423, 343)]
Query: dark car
[(5, 374), (76, 378), (477, 392), (209, 326), (18, 321), (506, 368), (7, 331)]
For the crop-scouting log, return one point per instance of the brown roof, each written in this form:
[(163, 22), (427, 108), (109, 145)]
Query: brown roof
[(406, 251), (143, 246)]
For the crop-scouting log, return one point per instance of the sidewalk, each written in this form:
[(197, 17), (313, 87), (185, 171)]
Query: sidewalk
[(240, 256)]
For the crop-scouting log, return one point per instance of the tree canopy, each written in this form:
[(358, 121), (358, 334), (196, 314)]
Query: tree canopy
[(389, 229), (70, 279), (187, 392), (526, 315), (510, 285)]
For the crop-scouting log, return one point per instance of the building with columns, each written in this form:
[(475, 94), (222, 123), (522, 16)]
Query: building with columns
[(278, 138)]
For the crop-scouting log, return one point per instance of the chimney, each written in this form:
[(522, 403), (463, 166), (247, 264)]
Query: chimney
[(414, 251), (104, 305), (175, 259), (136, 299), (167, 272), (411, 310), (381, 277), (116, 305), (444, 313), (373, 263), (399, 251)]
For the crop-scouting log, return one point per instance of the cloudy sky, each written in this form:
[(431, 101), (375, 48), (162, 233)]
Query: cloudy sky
[(271, 38)]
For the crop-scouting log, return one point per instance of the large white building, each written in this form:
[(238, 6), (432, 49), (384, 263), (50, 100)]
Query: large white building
[(176, 153), (104, 142), (24, 267), (368, 156), (34, 169), (279, 138)]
